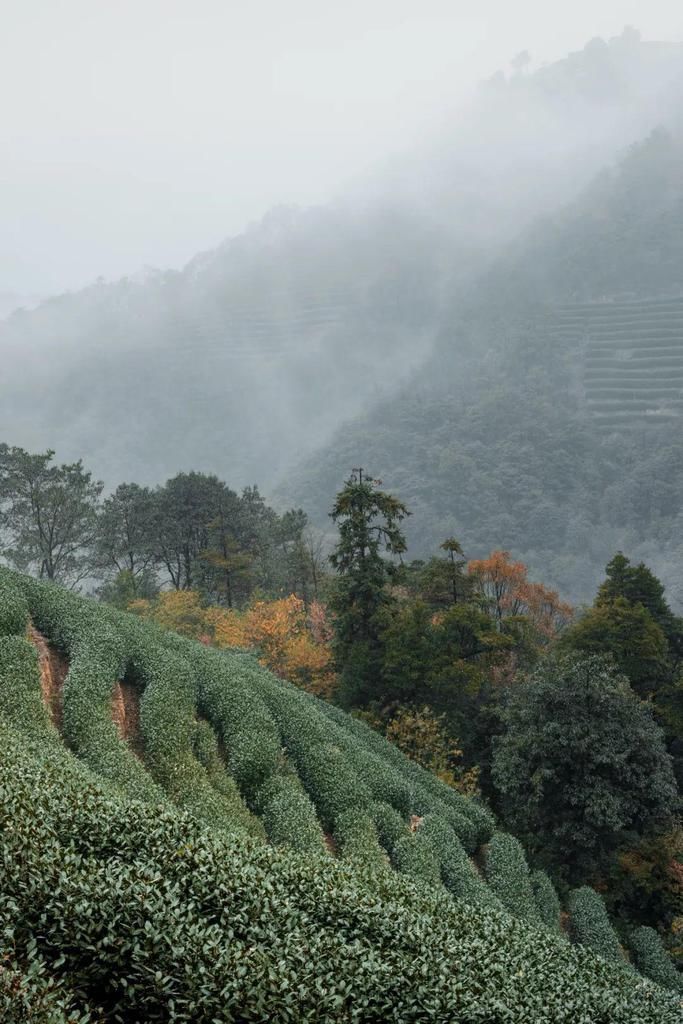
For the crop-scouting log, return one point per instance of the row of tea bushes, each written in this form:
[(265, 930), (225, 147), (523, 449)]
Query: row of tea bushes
[(251, 755), (118, 910)]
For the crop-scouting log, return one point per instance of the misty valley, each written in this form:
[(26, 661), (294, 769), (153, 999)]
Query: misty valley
[(341, 613)]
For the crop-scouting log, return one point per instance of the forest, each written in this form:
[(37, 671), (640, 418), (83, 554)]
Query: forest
[(467, 665)]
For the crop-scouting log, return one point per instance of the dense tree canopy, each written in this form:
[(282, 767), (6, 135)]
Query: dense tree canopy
[(581, 768), (48, 513)]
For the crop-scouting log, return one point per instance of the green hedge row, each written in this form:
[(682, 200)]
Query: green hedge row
[(139, 913), (13, 605), (356, 839), (653, 961), (590, 924), (21, 701), (288, 814), (458, 873), (547, 901), (168, 723), (508, 876)]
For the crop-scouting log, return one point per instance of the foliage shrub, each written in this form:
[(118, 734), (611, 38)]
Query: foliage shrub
[(87, 714), (250, 736), (389, 824), (331, 782), (21, 702), (13, 605), (289, 816), (413, 856), (475, 823), (115, 909), (167, 721), (140, 913), (653, 961), (508, 876), (547, 901), (458, 873), (590, 924), (356, 839), (206, 750), (244, 752)]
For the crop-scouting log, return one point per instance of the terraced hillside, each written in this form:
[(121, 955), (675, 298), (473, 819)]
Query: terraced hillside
[(186, 837), (632, 371)]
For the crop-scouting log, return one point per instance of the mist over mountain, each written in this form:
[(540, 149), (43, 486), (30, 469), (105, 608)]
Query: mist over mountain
[(253, 355), (548, 418)]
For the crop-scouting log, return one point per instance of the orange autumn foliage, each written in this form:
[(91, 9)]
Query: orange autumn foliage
[(504, 585), (287, 639), (179, 610)]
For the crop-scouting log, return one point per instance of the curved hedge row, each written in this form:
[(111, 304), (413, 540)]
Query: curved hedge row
[(590, 923), (138, 913), (458, 873), (249, 754), (652, 960), (288, 814), (547, 901), (508, 876)]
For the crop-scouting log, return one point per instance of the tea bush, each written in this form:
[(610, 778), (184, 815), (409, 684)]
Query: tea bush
[(289, 816), (458, 873), (137, 885), (356, 839), (389, 824), (139, 913), (590, 924), (21, 701), (13, 607), (508, 876), (413, 856), (652, 960), (547, 901)]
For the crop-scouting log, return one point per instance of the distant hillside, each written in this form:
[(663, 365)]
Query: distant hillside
[(252, 355), (549, 417), (186, 837)]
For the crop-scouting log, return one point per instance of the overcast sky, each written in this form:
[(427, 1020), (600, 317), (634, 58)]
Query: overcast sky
[(138, 132)]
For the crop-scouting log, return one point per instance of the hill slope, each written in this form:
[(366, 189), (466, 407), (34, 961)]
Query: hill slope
[(185, 837), (548, 419), (255, 352)]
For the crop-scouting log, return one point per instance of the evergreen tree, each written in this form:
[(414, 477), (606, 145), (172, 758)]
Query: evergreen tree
[(368, 521), (636, 584), (630, 636)]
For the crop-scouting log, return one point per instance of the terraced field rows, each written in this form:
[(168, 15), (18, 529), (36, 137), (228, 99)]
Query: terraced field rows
[(276, 852), (632, 358)]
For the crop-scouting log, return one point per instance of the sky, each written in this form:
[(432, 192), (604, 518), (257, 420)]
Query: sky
[(139, 132)]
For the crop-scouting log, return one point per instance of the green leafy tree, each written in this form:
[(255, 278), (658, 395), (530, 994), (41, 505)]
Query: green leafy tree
[(631, 637), (229, 552), (368, 521), (443, 582), (123, 588), (48, 515), (636, 584), (184, 509), (581, 769), (639, 586), (124, 542)]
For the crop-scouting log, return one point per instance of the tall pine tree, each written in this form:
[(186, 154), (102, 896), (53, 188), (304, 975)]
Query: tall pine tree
[(368, 520)]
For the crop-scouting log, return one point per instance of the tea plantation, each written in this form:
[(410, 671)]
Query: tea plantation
[(185, 837)]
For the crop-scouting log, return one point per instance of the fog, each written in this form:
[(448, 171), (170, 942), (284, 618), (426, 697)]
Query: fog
[(274, 241), (138, 134)]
